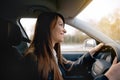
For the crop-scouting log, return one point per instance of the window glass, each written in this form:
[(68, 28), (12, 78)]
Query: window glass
[(74, 40), (103, 16), (29, 26)]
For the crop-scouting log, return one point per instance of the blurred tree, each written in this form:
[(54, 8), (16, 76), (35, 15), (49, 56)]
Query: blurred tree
[(110, 25), (78, 37)]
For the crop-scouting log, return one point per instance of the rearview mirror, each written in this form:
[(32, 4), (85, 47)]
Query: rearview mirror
[(89, 43)]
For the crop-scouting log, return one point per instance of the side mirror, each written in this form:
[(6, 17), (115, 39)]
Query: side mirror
[(89, 43)]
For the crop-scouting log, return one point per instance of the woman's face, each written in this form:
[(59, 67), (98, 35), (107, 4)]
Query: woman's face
[(58, 31)]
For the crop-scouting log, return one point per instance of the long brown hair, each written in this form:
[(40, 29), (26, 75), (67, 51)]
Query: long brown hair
[(41, 46)]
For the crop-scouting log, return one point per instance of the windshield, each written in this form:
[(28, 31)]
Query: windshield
[(103, 15)]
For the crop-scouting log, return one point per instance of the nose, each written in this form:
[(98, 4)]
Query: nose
[(64, 30)]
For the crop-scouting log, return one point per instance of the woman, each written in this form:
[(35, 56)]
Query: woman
[(45, 48)]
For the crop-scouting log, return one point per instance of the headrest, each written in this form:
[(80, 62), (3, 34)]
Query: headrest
[(14, 34)]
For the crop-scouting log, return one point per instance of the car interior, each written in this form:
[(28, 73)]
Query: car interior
[(16, 40)]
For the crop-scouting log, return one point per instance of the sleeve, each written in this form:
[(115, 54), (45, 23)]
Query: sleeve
[(101, 77), (85, 60), (81, 62)]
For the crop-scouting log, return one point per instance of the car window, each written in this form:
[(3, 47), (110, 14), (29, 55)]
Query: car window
[(28, 25), (75, 40)]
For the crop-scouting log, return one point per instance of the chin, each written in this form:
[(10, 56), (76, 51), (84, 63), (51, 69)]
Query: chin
[(60, 40)]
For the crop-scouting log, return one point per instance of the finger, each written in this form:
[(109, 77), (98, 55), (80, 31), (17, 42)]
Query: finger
[(99, 46), (115, 60), (118, 63)]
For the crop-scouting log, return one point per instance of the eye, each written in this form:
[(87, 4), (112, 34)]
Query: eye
[(61, 24)]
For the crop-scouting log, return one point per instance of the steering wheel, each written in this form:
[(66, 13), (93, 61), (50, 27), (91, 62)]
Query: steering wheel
[(104, 58)]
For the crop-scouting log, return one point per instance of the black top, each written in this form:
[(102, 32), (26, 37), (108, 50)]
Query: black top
[(101, 77), (81, 62)]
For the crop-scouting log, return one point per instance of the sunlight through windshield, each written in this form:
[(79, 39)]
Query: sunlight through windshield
[(105, 15)]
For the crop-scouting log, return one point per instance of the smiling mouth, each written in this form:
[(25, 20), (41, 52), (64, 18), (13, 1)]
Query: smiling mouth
[(62, 33)]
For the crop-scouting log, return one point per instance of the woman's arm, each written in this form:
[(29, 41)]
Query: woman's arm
[(85, 60), (101, 77), (95, 49), (81, 62), (112, 74)]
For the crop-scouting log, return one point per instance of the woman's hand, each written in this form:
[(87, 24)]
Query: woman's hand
[(113, 73), (95, 49)]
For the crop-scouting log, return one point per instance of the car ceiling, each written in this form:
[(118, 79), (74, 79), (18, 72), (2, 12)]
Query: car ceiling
[(13, 9)]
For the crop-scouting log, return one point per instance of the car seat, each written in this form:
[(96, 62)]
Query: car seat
[(12, 65)]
